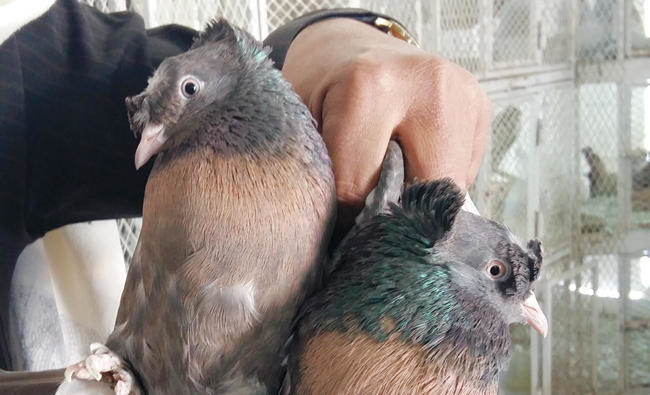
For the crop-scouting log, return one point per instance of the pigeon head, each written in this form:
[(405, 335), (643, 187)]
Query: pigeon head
[(430, 234), (587, 152), (486, 257), (188, 89)]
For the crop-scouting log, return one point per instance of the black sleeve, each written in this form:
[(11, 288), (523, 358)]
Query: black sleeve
[(66, 151)]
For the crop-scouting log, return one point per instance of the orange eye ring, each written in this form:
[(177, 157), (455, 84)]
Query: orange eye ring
[(496, 269)]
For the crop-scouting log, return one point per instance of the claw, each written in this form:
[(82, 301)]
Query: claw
[(103, 365), (123, 388), (71, 370)]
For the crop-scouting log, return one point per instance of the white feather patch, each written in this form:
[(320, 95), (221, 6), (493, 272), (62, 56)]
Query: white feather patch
[(232, 309)]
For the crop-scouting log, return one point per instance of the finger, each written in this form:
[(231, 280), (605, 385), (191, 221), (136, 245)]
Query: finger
[(430, 155), (437, 134), (357, 124)]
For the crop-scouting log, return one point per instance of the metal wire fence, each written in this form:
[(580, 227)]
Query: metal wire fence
[(567, 160)]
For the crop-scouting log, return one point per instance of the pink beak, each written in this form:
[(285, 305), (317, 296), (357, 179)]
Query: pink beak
[(534, 315), (151, 142)]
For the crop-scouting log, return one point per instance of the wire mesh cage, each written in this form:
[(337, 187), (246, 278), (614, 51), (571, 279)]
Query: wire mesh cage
[(503, 190), (567, 160), (129, 229)]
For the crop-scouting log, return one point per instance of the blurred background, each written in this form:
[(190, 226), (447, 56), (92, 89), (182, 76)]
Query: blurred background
[(567, 162)]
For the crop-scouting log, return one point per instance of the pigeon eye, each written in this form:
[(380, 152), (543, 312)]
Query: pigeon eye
[(189, 87), (496, 269)]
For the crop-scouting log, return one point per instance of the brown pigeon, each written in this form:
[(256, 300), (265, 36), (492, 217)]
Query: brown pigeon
[(236, 220)]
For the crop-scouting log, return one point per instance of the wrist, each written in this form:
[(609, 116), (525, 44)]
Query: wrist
[(281, 39), (343, 30)]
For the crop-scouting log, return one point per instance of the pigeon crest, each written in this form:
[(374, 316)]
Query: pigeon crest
[(219, 30)]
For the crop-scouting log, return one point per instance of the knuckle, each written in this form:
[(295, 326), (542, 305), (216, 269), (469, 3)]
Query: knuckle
[(454, 77), (368, 78)]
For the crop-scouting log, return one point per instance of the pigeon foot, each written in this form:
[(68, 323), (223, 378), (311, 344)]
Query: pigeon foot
[(105, 366)]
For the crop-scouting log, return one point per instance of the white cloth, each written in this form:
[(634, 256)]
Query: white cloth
[(64, 295)]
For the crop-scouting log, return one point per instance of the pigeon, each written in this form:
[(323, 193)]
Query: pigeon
[(419, 300), (601, 182), (604, 183), (237, 216)]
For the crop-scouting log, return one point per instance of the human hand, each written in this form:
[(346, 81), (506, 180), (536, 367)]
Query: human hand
[(365, 88)]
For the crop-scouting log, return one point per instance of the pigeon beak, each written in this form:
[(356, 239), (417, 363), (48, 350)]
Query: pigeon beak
[(534, 315), (151, 142)]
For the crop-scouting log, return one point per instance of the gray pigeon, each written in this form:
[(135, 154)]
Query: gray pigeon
[(601, 182), (236, 220), (419, 301), (604, 183)]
